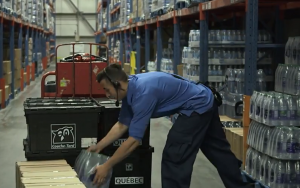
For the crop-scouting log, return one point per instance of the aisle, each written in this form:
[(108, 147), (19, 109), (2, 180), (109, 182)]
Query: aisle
[(13, 130)]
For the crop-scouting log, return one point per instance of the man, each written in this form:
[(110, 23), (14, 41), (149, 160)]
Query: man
[(158, 94)]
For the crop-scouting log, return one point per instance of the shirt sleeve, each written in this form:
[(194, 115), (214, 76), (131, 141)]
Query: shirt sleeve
[(143, 108), (125, 114)]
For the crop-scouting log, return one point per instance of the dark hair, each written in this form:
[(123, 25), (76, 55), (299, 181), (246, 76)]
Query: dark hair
[(113, 72)]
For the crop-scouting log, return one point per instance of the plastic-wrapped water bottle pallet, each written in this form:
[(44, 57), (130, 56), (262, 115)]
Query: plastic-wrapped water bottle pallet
[(181, 4), (248, 178), (158, 12), (7, 11)]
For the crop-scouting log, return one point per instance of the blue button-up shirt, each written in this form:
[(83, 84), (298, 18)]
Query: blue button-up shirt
[(158, 94)]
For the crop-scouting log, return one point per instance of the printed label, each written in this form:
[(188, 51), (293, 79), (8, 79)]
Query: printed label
[(129, 180), (95, 70), (87, 142), (119, 142), (63, 136), (64, 82), (129, 167)]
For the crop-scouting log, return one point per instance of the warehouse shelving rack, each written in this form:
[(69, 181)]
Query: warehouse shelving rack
[(10, 22), (250, 9)]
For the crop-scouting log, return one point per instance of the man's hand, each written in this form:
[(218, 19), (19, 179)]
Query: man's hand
[(93, 148), (101, 174)]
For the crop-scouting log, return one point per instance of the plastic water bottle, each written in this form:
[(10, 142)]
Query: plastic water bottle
[(260, 81), (283, 111), (273, 114), (288, 50), (239, 79), (292, 110), (294, 51), (285, 78), (298, 52), (266, 102), (231, 81), (248, 163), (252, 105), (258, 107), (191, 35), (263, 100), (219, 71), (296, 90), (198, 35)]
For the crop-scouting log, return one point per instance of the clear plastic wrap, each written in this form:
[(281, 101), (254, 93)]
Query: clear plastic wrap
[(85, 167)]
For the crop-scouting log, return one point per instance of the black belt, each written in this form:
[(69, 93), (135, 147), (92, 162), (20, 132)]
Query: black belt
[(215, 93)]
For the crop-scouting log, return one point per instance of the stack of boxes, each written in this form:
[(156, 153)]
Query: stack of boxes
[(47, 53), (18, 67), (30, 46), (236, 141), (137, 9), (7, 76), (46, 174)]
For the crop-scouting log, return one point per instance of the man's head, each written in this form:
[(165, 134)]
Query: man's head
[(114, 81)]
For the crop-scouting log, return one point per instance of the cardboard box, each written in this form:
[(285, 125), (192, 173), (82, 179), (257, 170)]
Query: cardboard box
[(8, 78), (17, 83), (7, 91), (180, 70), (46, 174), (6, 67), (18, 54), (17, 64), (236, 141), (127, 68), (17, 74)]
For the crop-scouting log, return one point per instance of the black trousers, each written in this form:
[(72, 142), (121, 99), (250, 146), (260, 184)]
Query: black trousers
[(186, 137)]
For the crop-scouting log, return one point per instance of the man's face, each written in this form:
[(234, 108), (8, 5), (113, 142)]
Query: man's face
[(109, 89)]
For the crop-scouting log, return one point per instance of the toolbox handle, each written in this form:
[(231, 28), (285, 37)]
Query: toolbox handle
[(73, 44)]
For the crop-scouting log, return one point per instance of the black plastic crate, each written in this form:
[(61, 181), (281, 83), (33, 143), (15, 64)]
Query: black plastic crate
[(134, 171), (60, 124), (109, 116), (69, 155), (59, 102)]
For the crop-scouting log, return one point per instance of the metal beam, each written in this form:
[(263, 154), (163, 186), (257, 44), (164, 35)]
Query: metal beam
[(72, 36), (81, 15), (96, 9), (74, 13)]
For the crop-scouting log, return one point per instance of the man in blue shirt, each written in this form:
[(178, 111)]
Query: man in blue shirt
[(158, 94)]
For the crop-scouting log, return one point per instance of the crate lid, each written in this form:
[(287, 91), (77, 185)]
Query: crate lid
[(48, 103), (59, 100), (109, 104)]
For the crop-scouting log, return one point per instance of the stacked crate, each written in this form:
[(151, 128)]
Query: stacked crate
[(135, 170), (46, 174), (7, 76), (71, 126), (18, 67)]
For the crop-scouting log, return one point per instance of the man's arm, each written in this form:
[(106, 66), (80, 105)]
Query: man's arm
[(119, 128), (115, 133), (143, 108)]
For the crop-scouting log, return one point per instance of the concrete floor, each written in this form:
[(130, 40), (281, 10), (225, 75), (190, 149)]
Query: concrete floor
[(13, 130)]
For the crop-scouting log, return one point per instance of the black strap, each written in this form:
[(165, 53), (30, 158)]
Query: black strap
[(216, 94)]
